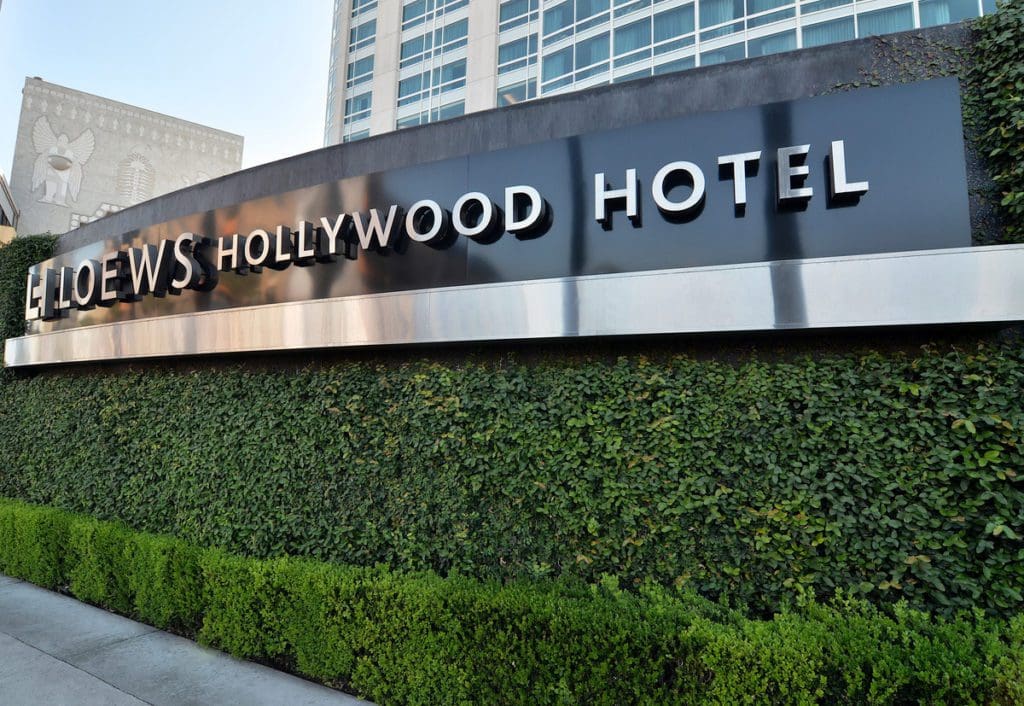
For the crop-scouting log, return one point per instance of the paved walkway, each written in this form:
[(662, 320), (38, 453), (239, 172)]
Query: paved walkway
[(56, 650)]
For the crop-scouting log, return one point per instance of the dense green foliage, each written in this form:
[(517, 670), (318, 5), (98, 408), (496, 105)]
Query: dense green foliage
[(419, 638), (891, 477), (997, 76), (15, 259)]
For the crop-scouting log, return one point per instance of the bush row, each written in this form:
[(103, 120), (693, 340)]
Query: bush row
[(887, 476), (419, 638)]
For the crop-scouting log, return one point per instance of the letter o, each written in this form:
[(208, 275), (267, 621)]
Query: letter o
[(487, 215), (263, 237), (86, 296), (439, 227), (665, 204)]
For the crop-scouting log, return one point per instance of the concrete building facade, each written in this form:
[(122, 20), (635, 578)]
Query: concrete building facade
[(8, 211), (398, 63), (79, 157)]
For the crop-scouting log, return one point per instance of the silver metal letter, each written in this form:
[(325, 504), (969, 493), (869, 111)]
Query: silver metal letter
[(111, 273), (786, 171), (328, 236), (483, 229), (602, 195), (257, 257), (32, 297), (48, 293), (151, 268), (440, 222), (374, 230), (283, 249), (187, 269), (534, 215), (86, 278), (305, 248), (666, 205), (231, 258), (838, 186), (65, 291), (739, 163)]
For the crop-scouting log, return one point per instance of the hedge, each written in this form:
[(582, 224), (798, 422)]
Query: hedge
[(419, 638)]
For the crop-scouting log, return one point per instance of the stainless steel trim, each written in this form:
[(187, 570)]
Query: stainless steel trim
[(956, 285)]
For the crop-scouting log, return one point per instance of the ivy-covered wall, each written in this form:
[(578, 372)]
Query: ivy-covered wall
[(995, 108), (892, 474)]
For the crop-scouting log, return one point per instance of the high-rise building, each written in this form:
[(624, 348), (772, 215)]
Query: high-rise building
[(396, 63), (78, 157)]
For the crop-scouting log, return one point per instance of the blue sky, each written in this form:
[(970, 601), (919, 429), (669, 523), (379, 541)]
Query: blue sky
[(258, 69)]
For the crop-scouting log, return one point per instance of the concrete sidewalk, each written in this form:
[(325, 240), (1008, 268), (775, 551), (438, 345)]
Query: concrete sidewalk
[(56, 650)]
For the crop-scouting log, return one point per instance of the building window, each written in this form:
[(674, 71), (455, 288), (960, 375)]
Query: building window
[(557, 64), (424, 46), (451, 110), (517, 54), (514, 13), (517, 93), (816, 5), (673, 29), (558, 17), (940, 12), (432, 82), (591, 51), (673, 66), (772, 44), (839, 30), (358, 107), (360, 7), (359, 71), (732, 52), (362, 36), (763, 12), (421, 11), (358, 135), (893, 19), (632, 37), (715, 12)]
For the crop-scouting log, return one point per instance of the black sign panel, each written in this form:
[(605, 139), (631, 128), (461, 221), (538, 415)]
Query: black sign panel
[(869, 171)]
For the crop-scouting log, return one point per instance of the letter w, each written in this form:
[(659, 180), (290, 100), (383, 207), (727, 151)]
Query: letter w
[(382, 234), (151, 268)]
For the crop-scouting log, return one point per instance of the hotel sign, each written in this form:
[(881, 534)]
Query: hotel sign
[(849, 175), (193, 261)]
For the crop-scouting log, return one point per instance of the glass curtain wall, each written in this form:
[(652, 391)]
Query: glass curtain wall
[(432, 61)]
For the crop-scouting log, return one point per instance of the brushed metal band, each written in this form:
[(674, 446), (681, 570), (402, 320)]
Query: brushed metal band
[(948, 286)]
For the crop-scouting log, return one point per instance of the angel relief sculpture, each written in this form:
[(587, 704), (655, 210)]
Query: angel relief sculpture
[(58, 167)]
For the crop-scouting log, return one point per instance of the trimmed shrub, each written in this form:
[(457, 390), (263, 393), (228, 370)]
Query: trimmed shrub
[(165, 580), (101, 562), (421, 638), (33, 544)]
